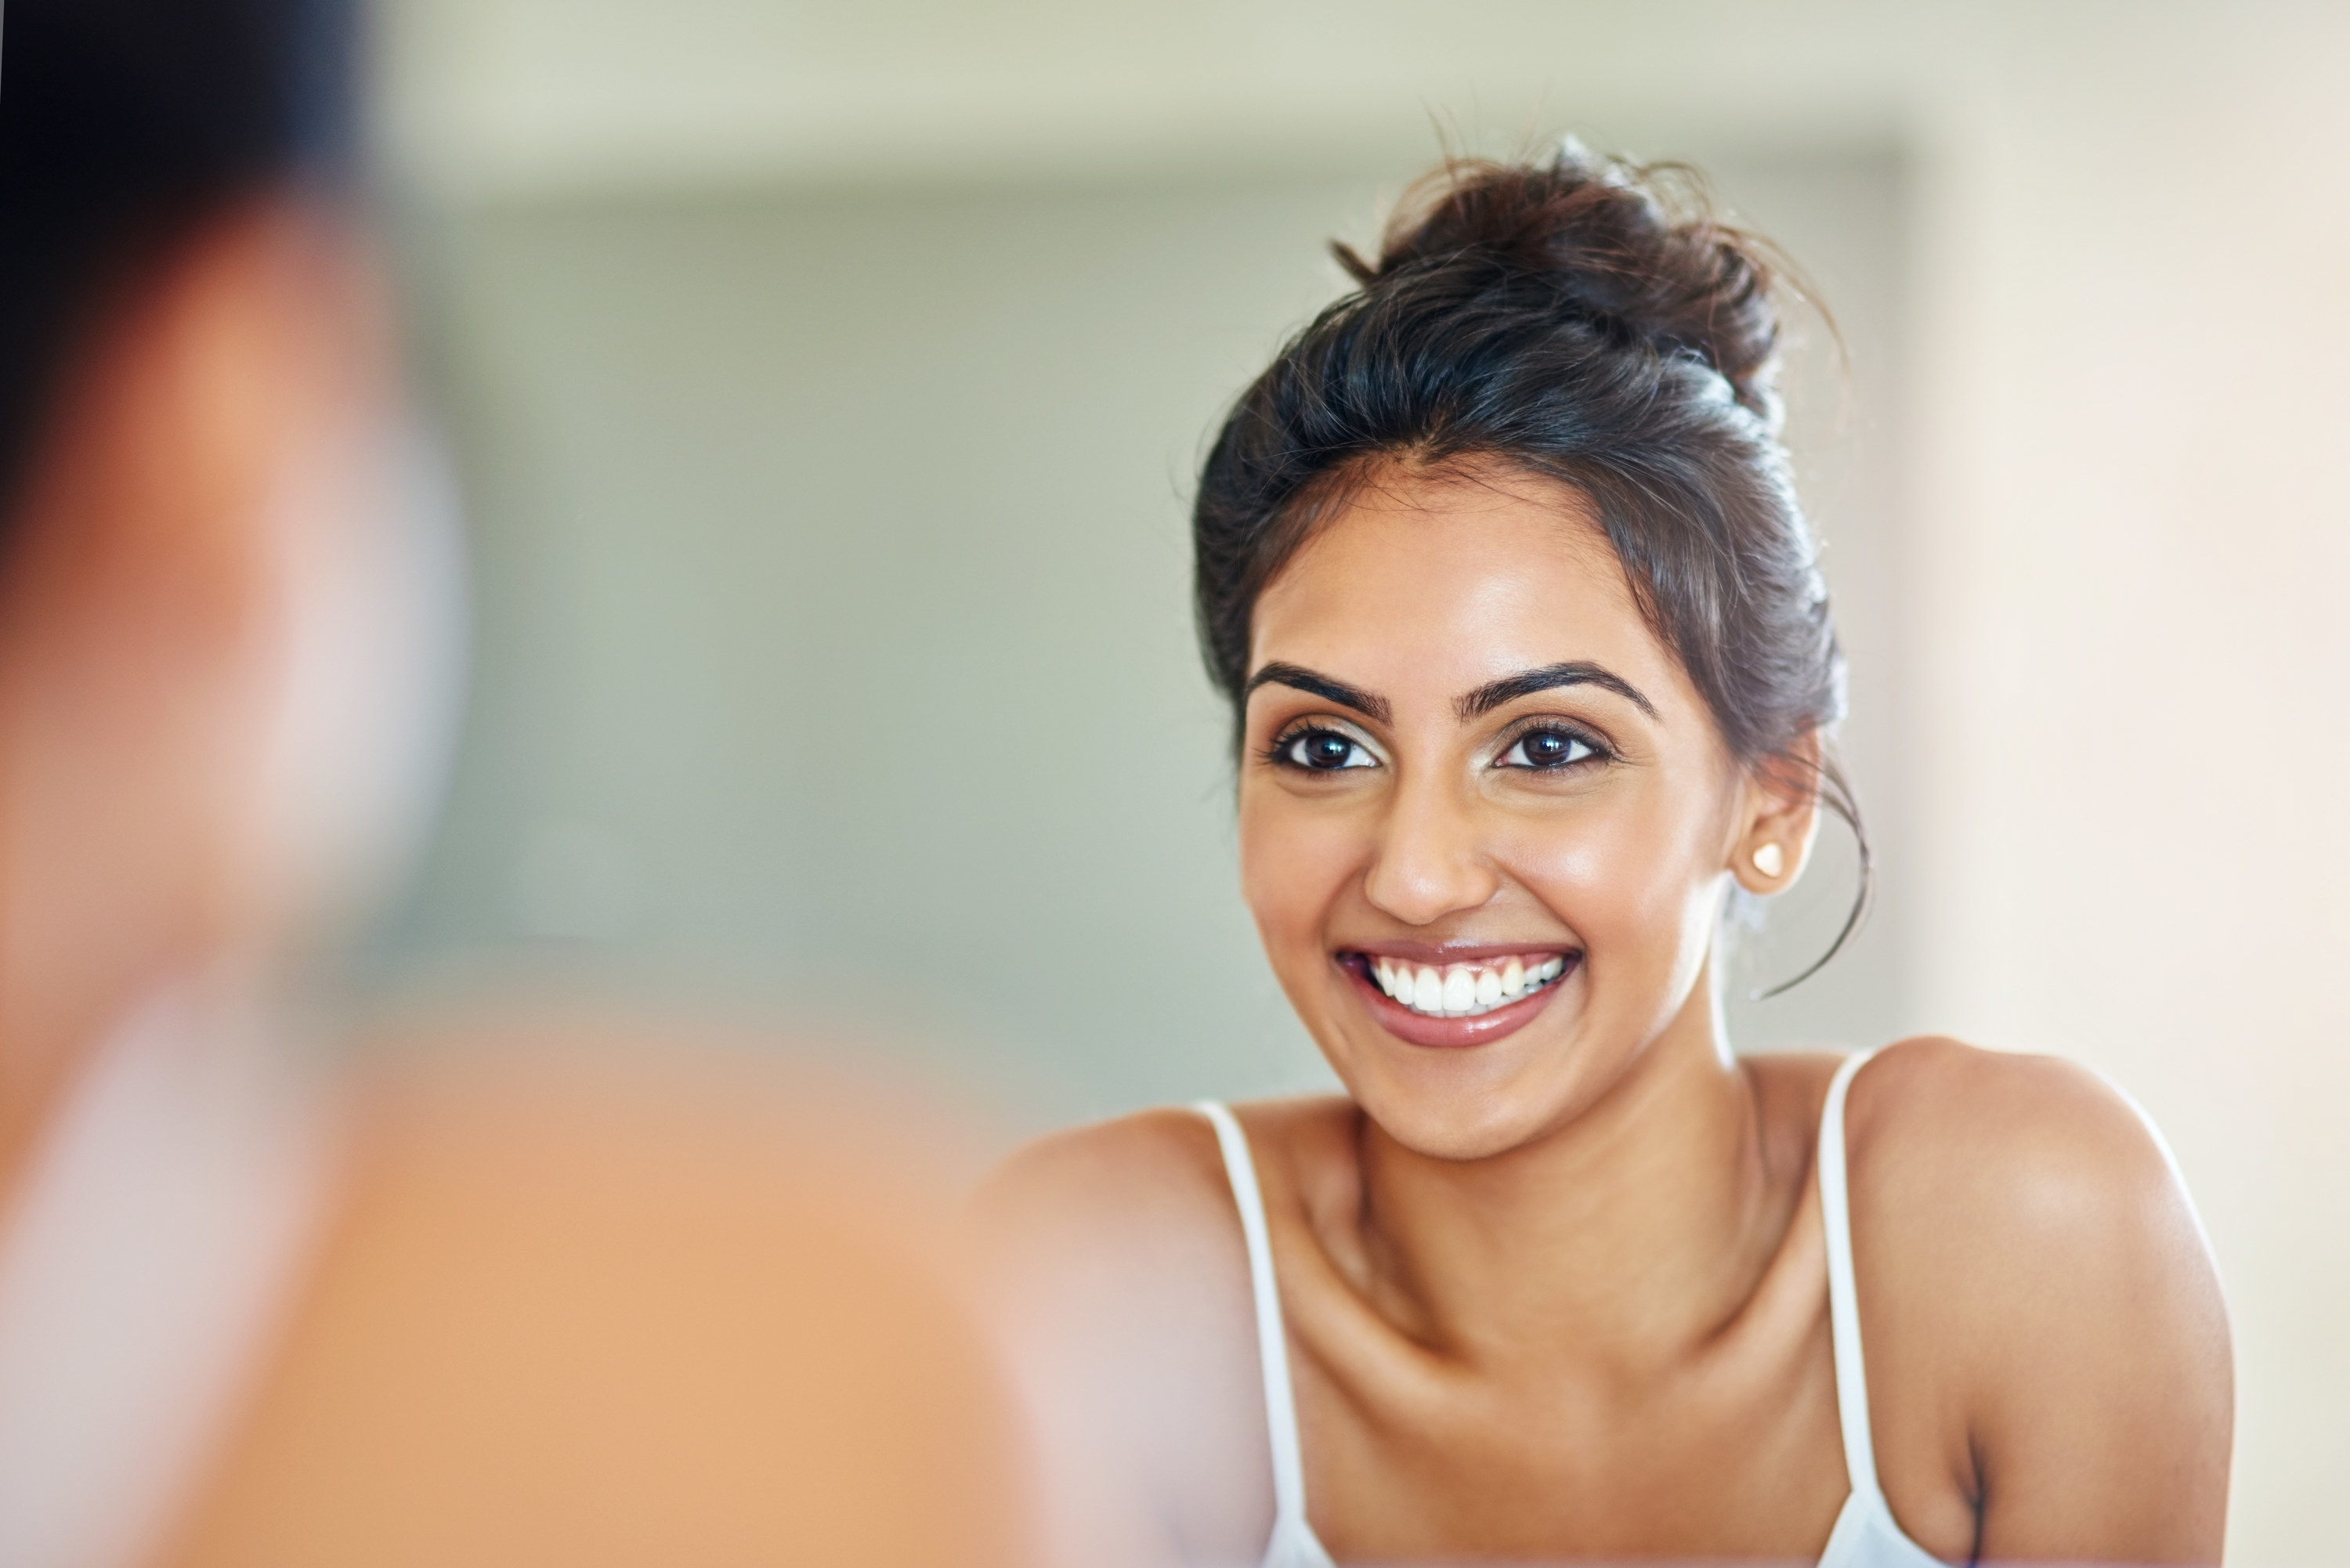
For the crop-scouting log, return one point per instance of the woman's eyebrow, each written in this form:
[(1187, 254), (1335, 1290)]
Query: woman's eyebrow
[(1303, 679), (1526, 683)]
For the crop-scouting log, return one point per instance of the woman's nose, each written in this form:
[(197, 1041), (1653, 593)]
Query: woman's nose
[(1429, 862)]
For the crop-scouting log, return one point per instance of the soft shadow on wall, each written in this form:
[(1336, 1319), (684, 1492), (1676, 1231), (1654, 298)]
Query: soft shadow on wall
[(834, 658)]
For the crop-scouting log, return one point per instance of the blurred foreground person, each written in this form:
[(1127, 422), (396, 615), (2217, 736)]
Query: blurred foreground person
[(516, 1308)]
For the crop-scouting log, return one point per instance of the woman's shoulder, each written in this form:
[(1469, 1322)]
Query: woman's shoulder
[(1153, 1180), (1118, 1276), (1931, 1122), (1997, 1175), (2047, 1149), (2029, 1263), (1127, 1180), (1112, 1241)]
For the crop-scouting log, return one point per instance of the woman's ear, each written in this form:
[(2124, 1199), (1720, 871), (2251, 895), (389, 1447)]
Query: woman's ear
[(1779, 816)]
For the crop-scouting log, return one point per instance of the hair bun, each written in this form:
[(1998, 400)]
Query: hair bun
[(1634, 250)]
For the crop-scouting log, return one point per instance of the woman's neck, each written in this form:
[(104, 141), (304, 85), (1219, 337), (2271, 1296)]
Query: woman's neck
[(1640, 1228)]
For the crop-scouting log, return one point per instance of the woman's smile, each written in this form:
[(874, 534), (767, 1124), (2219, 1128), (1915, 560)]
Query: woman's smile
[(1449, 998)]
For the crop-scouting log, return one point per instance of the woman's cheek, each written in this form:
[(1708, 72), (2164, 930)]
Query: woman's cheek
[(1578, 870), (1599, 876), (1295, 858)]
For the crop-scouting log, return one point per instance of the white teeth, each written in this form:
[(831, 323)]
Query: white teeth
[(1460, 988), (1427, 992)]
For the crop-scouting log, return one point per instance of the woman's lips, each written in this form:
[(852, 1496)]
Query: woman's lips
[(1500, 1017)]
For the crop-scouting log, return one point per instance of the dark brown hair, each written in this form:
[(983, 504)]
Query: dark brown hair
[(1585, 321), (125, 125)]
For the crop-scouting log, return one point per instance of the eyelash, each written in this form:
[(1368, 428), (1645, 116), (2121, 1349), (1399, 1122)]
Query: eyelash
[(1283, 744), (1600, 751), (1278, 753)]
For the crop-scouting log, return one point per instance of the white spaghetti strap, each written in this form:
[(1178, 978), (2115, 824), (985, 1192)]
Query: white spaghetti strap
[(1273, 1338), (1844, 1300)]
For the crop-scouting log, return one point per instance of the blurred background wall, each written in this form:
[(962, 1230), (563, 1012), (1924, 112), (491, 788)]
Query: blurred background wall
[(825, 382)]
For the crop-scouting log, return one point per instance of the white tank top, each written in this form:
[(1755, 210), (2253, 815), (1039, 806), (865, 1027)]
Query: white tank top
[(1865, 1536), (146, 1261)]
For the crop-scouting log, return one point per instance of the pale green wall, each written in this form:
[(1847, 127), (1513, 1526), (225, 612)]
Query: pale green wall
[(835, 661)]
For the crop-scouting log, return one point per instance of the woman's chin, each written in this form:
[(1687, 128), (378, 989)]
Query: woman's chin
[(1461, 1106), (1460, 1126)]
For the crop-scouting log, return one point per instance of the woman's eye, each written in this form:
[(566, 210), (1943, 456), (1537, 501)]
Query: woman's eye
[(1542, 750), (1324, 751)]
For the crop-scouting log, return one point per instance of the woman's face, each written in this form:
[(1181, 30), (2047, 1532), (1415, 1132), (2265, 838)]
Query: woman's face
[(1486, 822)]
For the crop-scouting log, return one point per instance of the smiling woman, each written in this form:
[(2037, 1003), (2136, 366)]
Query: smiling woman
[(1532, 669)]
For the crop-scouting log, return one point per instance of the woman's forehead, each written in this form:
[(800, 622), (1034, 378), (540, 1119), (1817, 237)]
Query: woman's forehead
[(1454, 579)]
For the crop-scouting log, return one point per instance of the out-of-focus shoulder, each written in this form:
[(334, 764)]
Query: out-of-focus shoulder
[(562, 1266), (1148, 1178), (1146, 1146), (1112, 1265)]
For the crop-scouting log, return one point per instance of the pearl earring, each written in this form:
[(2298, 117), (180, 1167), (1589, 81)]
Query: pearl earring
[(1768, 860)]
